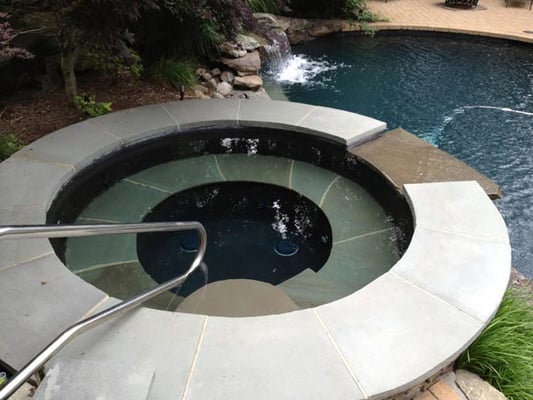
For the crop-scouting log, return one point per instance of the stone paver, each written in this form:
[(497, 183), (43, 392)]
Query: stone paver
[(404, 158), (490, 18), (88, 380)]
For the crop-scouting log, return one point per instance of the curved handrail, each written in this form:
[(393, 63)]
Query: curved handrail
[(10, 232)]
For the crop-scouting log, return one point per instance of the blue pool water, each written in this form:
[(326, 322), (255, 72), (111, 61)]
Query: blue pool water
[(471, 97)]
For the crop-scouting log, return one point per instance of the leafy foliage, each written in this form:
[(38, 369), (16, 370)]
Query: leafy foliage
[(114, 66), (175, 73), (9, 144), (7, 34), (91, 107), (503, 353)]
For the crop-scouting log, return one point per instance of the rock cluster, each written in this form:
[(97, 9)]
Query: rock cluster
[(238, 74)]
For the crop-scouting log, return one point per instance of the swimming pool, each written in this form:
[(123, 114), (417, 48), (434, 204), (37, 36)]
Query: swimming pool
[(471, 97)]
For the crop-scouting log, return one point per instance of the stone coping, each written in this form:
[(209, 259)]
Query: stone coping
[(393, 333)]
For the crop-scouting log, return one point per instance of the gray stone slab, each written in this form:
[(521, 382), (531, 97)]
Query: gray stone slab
[(288, 356), (77, 145), (342, 126), (123, 281), (265, 169), (92, 380), (352, 211), (469, 273), (273, 114), (136, 124), (16, 251), (179, 175), (403, 158), (126, 201), (195, 113), (100, 250), (395, 335), (38, 300), (308, 289), (161, 340), (28, 183), (310, 180), (457, 207), (355, 263)]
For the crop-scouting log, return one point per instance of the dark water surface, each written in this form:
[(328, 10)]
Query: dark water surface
[(471, 97)]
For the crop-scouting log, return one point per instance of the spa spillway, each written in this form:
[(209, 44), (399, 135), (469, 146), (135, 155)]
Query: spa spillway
[(323, 280)]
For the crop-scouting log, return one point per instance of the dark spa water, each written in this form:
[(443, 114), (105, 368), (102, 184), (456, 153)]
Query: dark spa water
[(471, 97), (254, 230)]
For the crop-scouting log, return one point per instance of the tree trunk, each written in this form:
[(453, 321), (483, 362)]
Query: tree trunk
[(69, 57)]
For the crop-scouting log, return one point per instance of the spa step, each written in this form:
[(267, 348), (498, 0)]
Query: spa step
[(309, 289), (237, 298), (69, 379)]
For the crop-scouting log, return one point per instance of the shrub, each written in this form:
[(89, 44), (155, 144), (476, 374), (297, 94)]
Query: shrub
[(175, 73), (9, 144), (115, 66), (91, 107), (503, 353)]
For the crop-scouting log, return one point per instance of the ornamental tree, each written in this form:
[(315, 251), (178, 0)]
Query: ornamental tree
[(7, 34), (101, 25)]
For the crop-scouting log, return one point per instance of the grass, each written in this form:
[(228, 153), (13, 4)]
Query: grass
[(267, 6), (173, 72), (9, 144), (503, 353)]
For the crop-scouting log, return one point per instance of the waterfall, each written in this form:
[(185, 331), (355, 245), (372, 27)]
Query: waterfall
[(282, 66)]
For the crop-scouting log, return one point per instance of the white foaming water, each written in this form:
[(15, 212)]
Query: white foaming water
[(504, 109), (303, 70), (435, 133)]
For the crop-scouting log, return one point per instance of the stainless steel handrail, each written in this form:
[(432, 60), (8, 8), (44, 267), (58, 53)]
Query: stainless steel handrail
[(35, 231)]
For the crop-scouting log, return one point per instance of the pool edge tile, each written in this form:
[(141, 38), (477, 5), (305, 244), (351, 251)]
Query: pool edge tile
[(397, 324), (42, 286), (469, 273), (463, 208), (246, 363), (175, 349)]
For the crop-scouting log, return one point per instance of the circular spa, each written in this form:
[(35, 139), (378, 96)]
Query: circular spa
[(360, 290), (287, 211)]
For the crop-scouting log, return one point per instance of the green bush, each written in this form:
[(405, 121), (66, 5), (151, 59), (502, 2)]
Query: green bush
[(91, 107), (115, 66), (503, 354), (175, 73), (9, 144)]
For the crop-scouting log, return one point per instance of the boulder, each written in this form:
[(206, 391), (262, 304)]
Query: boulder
[(476, 388), (206, 76), (200, 71), (201, 89), (320, 30), (232, 49), (217, 95), (249, 64), (211, 84), (269, 20), (215, 72), (248, 43), (227, 76), (251, 82), (224, 88)]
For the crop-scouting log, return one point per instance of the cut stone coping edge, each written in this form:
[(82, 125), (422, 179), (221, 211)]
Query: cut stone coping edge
[(420, 315)]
